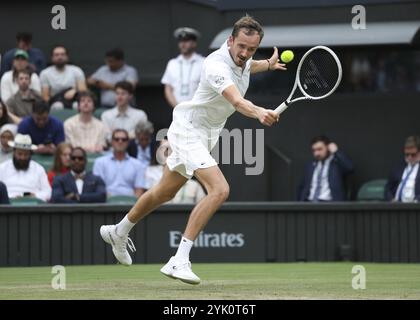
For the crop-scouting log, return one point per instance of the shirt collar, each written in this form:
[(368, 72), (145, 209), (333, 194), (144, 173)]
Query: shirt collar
[(126, 156), (74, 174), (125, 113)]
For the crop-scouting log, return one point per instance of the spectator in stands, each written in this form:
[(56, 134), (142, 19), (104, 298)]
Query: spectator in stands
[(5, 116), (45, 131), (403, 184), (191, 192), (7, 133), (36, 56), (61, 162), (78, 185), (8, 83), (4, 198), (123, 116), (62, 81), (324, 177), (142, 146), (22, 176), (123, 175), (114, 71), (182, 74), (20, 104), (83, 129)]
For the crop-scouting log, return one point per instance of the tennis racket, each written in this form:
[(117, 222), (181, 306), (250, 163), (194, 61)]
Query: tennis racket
[(318, 75)]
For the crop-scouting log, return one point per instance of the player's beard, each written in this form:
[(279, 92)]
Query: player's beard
[(21, 164)]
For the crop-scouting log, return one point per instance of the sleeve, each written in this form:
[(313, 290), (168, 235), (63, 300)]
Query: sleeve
[(147, 180), (97, 168), (99, 195), (140, 177), (44, 190), (68, 134), (43, 77), (98, 74), (344, 162), (132, 74), (23, 127), (80, 76), (167, 78), (218, 76), (58, 195), (11, 104), (5, 88), (35, 83), (59, 136)]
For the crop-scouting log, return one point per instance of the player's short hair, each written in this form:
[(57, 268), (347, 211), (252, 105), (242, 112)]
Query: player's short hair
[(250, 26), (125, 85), (24, 36), (320, 138), (412, 142), (40, 107), (116, 53)]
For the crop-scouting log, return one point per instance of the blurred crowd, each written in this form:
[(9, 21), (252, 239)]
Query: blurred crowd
[(106, 148)]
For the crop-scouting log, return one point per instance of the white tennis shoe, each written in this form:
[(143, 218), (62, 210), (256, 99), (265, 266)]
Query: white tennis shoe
[(180, 269), (119, 244)]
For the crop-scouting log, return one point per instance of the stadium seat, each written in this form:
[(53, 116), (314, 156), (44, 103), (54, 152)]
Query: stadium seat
[(98, 112), (25, 201), (44, 160), (372, 190), (122, 200), (91, 157), (63, 114)]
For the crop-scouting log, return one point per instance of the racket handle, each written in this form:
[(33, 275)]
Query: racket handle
[(281, 108)]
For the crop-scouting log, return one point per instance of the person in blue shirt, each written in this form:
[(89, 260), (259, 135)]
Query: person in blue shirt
[(325, 176), (36, 56), (123, 175), (45, 131)]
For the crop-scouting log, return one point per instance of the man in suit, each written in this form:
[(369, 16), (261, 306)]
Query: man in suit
[(324, 178), (404, 181), (78, 185)]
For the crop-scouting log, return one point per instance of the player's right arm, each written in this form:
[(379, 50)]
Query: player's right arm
[(265, 116)]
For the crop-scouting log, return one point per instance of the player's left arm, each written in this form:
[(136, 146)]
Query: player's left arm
[(268, 64)]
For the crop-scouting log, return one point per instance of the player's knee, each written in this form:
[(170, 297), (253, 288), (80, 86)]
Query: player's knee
[(221, 193)]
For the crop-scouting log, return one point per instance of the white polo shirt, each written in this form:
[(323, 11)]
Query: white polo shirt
[(208, 110), (183, 75)]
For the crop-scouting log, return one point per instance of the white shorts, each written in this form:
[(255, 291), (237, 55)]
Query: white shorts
[(190, 150)]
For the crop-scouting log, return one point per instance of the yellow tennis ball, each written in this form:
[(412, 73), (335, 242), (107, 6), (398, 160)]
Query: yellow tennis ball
[(287, 56)]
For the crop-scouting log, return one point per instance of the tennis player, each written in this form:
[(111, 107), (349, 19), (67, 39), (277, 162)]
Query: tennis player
[(194, 131)]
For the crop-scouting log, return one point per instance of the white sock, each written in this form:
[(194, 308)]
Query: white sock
[(124, 227), (184, 249)]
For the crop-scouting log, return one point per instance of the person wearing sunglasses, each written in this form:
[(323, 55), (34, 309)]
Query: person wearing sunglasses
[(78, 185), (403, 183), (123, 175)]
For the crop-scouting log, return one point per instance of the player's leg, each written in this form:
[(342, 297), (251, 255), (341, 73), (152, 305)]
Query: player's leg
[(117, 235), (212, 178)]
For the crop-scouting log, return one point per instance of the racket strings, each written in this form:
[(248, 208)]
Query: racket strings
[(319, 73)]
